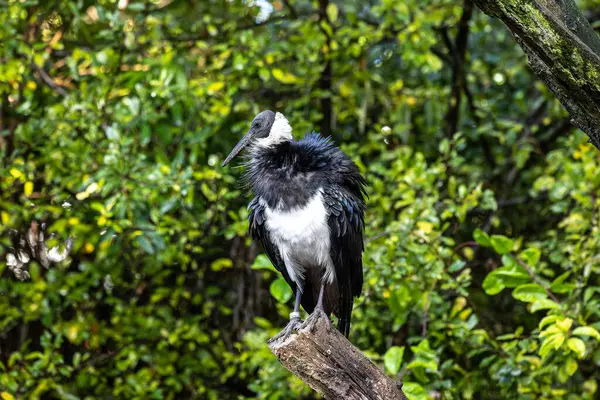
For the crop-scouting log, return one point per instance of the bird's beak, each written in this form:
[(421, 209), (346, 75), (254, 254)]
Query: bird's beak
[(238, 147)]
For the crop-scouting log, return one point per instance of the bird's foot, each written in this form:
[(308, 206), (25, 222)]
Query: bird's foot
[(312, 319), (289, 329)]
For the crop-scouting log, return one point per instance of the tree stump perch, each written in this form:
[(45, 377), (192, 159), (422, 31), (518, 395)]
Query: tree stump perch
[(327, 362)]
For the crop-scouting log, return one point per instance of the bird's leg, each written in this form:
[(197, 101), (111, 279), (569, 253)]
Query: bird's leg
[(318, 312), (294, 323)]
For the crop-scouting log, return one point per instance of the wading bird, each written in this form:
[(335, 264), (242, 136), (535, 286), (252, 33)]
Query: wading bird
[(308, 212)]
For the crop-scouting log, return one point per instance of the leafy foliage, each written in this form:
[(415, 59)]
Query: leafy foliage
[(483, 235)]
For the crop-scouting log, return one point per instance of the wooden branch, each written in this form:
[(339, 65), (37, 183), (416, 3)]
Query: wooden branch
[(563, 50), (49, 81), (333, 367)]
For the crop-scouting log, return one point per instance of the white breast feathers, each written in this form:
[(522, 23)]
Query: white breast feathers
[(302, 238)]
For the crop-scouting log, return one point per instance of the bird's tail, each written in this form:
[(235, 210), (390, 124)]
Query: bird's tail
[(345, 309)]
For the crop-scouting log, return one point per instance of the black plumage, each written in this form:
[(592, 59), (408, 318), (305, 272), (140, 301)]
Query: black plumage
[(288, 175), (285, 175)]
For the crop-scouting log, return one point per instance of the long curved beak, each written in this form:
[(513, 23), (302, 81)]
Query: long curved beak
[(238, 147)]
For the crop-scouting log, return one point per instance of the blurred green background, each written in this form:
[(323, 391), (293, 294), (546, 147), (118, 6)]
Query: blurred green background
[(482, 237)]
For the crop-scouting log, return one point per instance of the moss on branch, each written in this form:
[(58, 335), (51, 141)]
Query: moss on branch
[(562, 49)]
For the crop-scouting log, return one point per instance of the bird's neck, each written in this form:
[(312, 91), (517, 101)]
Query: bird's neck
[(278, 177), (280, 132), (269, 160)]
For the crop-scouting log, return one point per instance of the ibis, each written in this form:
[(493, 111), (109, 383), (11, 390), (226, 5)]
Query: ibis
[(308, 213)]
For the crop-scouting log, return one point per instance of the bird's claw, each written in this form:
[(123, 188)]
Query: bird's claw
[(288, 331), (312, 319)]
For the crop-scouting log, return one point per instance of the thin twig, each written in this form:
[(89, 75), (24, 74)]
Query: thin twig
[(529, 270), (465, 244), (48, 80)]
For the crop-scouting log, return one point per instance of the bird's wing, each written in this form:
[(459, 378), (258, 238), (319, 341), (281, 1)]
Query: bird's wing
[(259, 231), (346, 220)]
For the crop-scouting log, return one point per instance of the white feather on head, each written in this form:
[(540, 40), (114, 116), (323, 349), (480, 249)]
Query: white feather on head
[(281, 131)]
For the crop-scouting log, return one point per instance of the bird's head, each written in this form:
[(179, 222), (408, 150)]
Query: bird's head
[(267, 129)]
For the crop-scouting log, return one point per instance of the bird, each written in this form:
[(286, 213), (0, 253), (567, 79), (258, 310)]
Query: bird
[(308, 213)]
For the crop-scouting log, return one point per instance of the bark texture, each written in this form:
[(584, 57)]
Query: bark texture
[(333, 367), (562, 49)]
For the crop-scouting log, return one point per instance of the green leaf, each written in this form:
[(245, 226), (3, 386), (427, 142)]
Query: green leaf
[(509, 261), (392, 359), (571, 367), (502, 244), (208, 192), (434, 61), (590, 386), (492, 284), (215, 87), (564, 324), (482, 238), (28, 188), (15, 173), (397, 301), (414, 391), (136, 6), (145, 244), (443, 148), (552, 342), (507, 276), (529, 292), (586, 331), (558, 285), (543, 304), (512, 276), (332, 12), (589, 292), (281, 290), (221, 263), (577, 345), (563, 288), (551, 330), (531, 256), (548, 320), (264, 74), (428, 364), (424, 357), (457, 266), (284, 77), (262, 262), (262, 322), (561, 278)]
